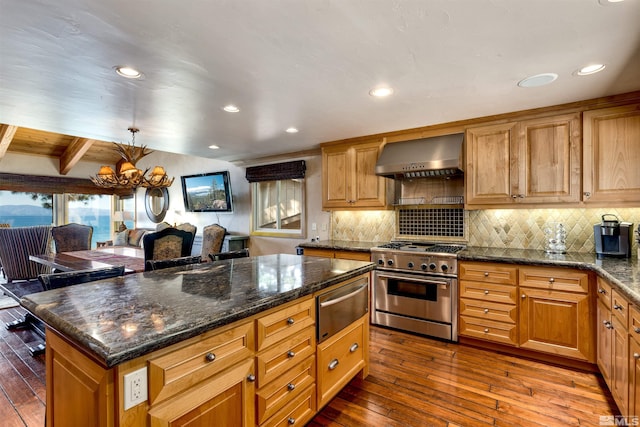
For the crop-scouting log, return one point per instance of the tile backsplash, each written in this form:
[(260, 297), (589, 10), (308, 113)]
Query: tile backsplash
[(499, 228)]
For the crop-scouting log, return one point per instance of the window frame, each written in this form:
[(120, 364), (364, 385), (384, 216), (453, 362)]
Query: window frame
[(299, 233)]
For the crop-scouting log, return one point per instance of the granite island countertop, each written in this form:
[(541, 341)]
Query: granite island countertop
[(123, 318)]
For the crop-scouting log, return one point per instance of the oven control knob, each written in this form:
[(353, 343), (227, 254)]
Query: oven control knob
[(410, 264), (380, 262), (444, 267), (390, 262), (432, 266), (423, 266)]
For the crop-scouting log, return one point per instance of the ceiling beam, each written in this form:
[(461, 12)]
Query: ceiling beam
[(73, 154), (6, 136)]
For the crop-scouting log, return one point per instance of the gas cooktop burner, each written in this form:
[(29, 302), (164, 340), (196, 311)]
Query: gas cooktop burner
[(423, 247)]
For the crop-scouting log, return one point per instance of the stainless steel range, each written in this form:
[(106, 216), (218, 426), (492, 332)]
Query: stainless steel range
[(415, 288)]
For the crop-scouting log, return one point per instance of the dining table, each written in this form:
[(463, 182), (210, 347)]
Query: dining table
[(131, 257)]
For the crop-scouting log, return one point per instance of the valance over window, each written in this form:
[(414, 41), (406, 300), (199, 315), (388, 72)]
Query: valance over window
[(276, 171)]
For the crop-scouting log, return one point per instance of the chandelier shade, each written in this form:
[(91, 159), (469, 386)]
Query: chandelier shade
[(128, 176)]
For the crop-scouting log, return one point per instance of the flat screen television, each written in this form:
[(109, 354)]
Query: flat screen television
[(207, 192)]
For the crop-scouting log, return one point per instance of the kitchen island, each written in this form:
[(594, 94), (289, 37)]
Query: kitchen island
[(205, 338)]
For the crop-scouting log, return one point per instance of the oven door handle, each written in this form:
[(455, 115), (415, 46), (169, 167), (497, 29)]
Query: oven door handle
[(333, 301), (414, 279)]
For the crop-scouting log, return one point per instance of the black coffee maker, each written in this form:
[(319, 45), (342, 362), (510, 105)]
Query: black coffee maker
[(612, 237)]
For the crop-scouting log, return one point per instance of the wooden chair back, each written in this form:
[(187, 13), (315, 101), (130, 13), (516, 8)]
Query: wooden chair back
[(70, 278), (72, 237), (159, 264), (167, 244), (212, 240)]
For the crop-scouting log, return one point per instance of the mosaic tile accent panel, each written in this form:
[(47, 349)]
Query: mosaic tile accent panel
[(498, 228), (431, 222)]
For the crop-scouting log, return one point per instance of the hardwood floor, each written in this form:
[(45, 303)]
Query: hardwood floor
[(413, 381)]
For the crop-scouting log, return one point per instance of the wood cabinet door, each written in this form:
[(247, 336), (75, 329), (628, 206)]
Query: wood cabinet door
[(548, 151), (228, 399), (369, 188), (490, 162), (611, 154), (337, 177), (557, 322), (634, 377), (604, 345), (619, 385)]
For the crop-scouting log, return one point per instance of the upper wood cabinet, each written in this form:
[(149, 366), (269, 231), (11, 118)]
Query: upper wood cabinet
[(612, 154), (348, 177), (532, 161)]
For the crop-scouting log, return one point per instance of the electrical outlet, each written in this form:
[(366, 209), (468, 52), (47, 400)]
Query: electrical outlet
[(324, 227), (135, 388)]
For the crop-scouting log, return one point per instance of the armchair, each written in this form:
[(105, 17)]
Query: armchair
[(16, 244), (167, 244)]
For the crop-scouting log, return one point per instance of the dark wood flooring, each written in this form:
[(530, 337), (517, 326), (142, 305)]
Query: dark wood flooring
[(413, 381)]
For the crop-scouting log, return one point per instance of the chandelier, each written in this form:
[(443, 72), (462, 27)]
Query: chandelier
[(128, 175)]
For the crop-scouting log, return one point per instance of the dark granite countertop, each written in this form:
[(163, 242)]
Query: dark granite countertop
[(344, 245), (123, 318), (623, 272)]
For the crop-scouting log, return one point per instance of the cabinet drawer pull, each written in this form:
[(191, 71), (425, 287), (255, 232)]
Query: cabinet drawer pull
[(290, 321), (333, 364), (486, 274), (251, 378), (353, 347), (602, 291), (291, 420), (291, 386), (617, 307), (486, 310), (210, 357), (486, 292), (291, 354), (636, 356)]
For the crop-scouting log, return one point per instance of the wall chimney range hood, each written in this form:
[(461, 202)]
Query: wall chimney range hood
[(438, 156)]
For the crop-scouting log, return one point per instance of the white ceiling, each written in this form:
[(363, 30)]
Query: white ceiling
[(303, 63)]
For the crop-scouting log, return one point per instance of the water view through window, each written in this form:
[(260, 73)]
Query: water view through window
[(29, 209)]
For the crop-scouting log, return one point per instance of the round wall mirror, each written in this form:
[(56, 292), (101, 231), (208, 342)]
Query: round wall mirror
[(156, 203)]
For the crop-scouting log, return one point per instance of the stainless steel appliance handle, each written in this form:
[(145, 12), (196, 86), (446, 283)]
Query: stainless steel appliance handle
[(330, 302), (414, 279)]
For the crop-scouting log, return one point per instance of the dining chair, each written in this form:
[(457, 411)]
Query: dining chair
[(212, 240), (160, 264), (3, 225), (16, 244), (167, 244), (242, 253), (190, 228), (69, 278), (72, 237)]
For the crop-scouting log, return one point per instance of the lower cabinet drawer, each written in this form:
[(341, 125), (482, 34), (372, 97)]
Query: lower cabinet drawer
[(339, 359), (279, 358), (278, 393), (505, 333), (197, 360), (297, 412), (506, 313), (488, 292), (284, 323)]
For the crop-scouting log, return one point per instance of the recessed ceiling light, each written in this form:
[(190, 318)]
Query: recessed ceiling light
[(381, 92), (127, 72), (590, 69), (292, 130), (538, 80), (230, 108), (214, 147)]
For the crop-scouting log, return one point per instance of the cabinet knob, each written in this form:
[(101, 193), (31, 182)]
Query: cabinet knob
[(353, 347), (513, 196), (636, 356), (551, 280), (333, 364), (587, 194), (486, 330), (290, 321), (291, 386), (636, 330), (210, 357), (486, 292), (523, 296), (521, 196), (602, 291), (251, 378), (486, 310), (617, 307), (291, 420), (486, 274), (291, 354)]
